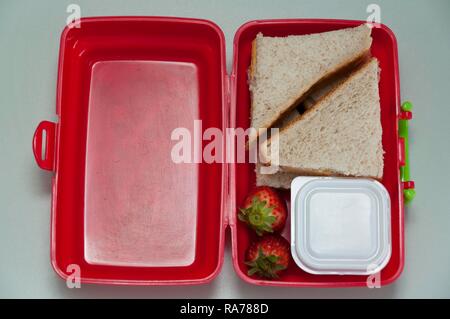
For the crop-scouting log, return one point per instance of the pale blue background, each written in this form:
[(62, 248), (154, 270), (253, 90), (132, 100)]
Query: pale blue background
[(29, 43)]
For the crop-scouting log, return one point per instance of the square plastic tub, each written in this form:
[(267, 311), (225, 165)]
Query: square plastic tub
[(340, 226), (121, 209)]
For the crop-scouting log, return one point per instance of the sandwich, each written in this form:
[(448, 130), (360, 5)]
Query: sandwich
[(285, 70), (292, 75), (340, 134)]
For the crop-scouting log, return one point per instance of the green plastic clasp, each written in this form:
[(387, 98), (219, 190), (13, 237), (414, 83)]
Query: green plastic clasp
[(409, 191)]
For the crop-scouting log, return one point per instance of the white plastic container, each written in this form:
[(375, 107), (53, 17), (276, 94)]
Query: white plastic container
[(340, 225)]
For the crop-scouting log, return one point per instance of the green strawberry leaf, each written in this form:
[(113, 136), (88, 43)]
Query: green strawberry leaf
[(272, 258), (258, 216)]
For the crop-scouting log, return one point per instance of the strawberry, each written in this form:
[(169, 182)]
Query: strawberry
[(268, 256), (264, 211)]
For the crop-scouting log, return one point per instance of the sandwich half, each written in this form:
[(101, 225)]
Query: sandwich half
[(285, 70), (282, 179), (340, 135)]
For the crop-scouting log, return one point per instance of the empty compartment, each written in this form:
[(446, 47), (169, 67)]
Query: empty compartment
[(124, 211), (140, 206)]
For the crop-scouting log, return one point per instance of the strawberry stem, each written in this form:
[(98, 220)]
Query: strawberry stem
[(265, 266), (258, 216)]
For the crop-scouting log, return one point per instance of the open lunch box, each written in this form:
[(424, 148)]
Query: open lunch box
[(122, 210)]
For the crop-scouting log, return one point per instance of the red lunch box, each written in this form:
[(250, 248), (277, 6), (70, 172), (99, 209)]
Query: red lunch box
[(122, 210)]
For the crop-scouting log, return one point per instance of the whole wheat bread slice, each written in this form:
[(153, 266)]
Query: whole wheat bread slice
[(341, 134), (284, 70)]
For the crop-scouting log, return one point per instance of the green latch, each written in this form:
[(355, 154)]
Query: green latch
[(408, 185)]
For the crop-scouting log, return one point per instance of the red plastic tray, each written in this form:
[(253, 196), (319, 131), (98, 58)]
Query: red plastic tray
[(121, 209)]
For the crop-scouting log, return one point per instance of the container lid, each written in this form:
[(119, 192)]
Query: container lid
[(340, 225)]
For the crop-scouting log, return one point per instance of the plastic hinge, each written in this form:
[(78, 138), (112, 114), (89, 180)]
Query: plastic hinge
[(225, 123), (407, 184), (231, 166)]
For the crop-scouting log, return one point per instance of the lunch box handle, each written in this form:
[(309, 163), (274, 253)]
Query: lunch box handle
[(44, 153), (409, 191)]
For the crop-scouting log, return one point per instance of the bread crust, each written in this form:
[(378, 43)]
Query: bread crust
[(251, 74), (320, 172), (253, 60)]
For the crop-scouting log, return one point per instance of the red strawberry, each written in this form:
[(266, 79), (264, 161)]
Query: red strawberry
[(268, 256), (264, 211)]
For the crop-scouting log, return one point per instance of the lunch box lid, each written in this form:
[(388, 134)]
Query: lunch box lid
[(340, 225), (83, 141)]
